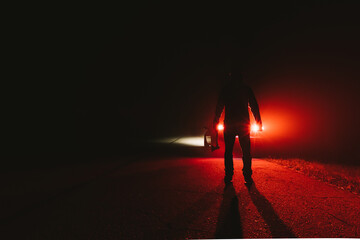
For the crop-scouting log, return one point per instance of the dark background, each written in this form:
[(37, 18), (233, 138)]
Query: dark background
[(99, 79)]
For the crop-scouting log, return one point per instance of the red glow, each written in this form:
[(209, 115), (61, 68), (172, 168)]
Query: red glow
[(220, 127), (256, 128)]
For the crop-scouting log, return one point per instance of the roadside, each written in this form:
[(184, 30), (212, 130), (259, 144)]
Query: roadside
[(343, 177), (24, 190)]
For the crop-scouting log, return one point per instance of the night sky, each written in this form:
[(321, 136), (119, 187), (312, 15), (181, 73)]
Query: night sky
[(91, 79)]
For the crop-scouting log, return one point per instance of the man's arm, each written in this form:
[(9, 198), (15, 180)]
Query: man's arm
[(219, 108), (255, 108)]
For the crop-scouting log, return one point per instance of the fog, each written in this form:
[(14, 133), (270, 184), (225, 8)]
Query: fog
[(302, 67), (147, 74)]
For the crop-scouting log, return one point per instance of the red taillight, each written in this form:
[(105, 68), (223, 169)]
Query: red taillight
[(220, 127)]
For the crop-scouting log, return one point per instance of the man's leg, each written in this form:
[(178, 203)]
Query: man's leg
[(229, 139), (245, 146)]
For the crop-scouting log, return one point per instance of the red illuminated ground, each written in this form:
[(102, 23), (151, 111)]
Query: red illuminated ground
[(175, 198)]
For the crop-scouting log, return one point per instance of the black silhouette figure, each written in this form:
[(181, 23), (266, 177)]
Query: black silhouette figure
[(236, 97), (277, 227), (229, 222)]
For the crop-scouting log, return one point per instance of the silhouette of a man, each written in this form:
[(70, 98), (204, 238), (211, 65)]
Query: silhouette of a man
[(236, 97)]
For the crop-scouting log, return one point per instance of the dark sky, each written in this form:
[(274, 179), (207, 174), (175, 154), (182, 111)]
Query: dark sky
[(105, 74)]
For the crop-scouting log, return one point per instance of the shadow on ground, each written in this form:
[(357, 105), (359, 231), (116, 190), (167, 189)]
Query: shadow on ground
[(277, 227), (229, 222)]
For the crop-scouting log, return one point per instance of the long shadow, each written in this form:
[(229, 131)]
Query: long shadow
[(277, 227), (229, 222)]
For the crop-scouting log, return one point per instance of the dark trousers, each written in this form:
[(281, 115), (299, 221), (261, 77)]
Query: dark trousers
[(244, 139)]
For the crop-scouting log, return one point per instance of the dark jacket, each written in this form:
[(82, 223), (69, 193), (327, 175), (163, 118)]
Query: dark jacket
[(236, 97)]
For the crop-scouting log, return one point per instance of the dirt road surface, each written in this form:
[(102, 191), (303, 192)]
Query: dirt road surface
[(174, 198)]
